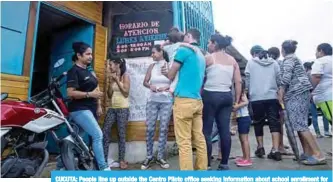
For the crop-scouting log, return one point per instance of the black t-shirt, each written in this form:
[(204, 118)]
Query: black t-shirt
[(82, 80)]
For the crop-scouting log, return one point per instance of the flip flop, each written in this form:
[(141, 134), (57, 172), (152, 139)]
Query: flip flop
[(285, 152), (302, 157), (311, 161)]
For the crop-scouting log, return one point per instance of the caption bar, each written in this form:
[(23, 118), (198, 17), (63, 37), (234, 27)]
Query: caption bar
[(191, 176)]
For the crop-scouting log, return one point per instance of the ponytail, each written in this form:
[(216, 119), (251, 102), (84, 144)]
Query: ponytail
[(122, 67), (166, 56), (79, 48)]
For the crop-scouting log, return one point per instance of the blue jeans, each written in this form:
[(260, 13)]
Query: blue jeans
[(218, 107), (314, 114), (86, 120)]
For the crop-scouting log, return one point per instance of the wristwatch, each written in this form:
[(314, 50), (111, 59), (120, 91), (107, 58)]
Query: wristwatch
[(87, 95)]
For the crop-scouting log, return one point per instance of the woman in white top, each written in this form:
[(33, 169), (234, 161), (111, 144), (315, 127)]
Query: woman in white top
[(322, 80), (159, 104), (221, 72)]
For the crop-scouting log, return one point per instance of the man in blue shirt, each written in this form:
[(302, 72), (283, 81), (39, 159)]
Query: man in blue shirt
[(187, 110)]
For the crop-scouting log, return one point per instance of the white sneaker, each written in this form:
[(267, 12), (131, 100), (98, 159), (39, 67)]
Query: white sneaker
[(327, 134), (164, 164), (113, 163), (107, 169)]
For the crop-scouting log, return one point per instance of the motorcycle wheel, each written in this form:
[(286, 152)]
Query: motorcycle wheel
[(71, 158)]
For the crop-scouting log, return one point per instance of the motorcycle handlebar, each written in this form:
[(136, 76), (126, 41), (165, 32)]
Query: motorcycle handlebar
[(45, 96), (60, 77)]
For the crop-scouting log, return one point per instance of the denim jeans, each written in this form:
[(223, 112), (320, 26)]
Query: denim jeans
[(314, 114), (87, 121), (218, 108)]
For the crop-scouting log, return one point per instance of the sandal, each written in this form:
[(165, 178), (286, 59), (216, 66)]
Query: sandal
[(286, 152), (312, 161), (123, 165), (302, 157), (233, 130)]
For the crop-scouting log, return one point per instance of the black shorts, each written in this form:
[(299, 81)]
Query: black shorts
[(267, 110)]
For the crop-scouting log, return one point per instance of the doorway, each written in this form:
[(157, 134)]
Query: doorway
[(57, 31)]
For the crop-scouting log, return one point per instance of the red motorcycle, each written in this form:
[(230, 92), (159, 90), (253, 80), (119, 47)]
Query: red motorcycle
[(24, 127)]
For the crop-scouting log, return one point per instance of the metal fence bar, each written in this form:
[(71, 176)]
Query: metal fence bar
[(197, 14)]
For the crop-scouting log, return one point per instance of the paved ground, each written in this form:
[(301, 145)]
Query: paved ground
[(259, 164)]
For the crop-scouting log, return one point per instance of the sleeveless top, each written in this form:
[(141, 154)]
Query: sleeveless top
[(158, 80), (219, 77), (118, 101)]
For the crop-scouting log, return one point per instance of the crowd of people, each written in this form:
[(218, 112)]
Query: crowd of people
[(195, 89)]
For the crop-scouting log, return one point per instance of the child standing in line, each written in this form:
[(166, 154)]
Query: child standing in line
[(244, 123)]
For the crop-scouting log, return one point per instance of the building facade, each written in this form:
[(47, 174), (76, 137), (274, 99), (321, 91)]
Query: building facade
[(35, 35)]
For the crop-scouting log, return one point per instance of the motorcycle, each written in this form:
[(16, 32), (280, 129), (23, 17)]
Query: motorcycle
[(25, 125)]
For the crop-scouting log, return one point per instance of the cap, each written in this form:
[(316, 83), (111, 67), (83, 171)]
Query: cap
[(257, 48)]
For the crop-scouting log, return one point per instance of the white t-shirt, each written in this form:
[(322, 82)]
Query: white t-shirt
[(323, 91), (172, 50)]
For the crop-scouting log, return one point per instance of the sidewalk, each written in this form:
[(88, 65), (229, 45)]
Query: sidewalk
[(287, 162)]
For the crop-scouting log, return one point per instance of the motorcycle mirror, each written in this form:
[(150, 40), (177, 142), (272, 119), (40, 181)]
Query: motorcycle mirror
[(4, 96), (59, 63)]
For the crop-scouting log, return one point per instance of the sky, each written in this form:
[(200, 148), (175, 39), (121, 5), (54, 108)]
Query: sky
[(269, 22)]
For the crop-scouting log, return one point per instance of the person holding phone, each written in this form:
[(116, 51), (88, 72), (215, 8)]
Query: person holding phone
[(187, 107), (159, 104)]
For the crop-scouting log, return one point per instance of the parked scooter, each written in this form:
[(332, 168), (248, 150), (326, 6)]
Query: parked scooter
[(24, 127)]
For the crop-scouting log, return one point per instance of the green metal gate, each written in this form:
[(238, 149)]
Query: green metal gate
[(195, 14)]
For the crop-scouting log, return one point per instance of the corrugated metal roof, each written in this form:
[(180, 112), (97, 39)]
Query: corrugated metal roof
[(242, 61)]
